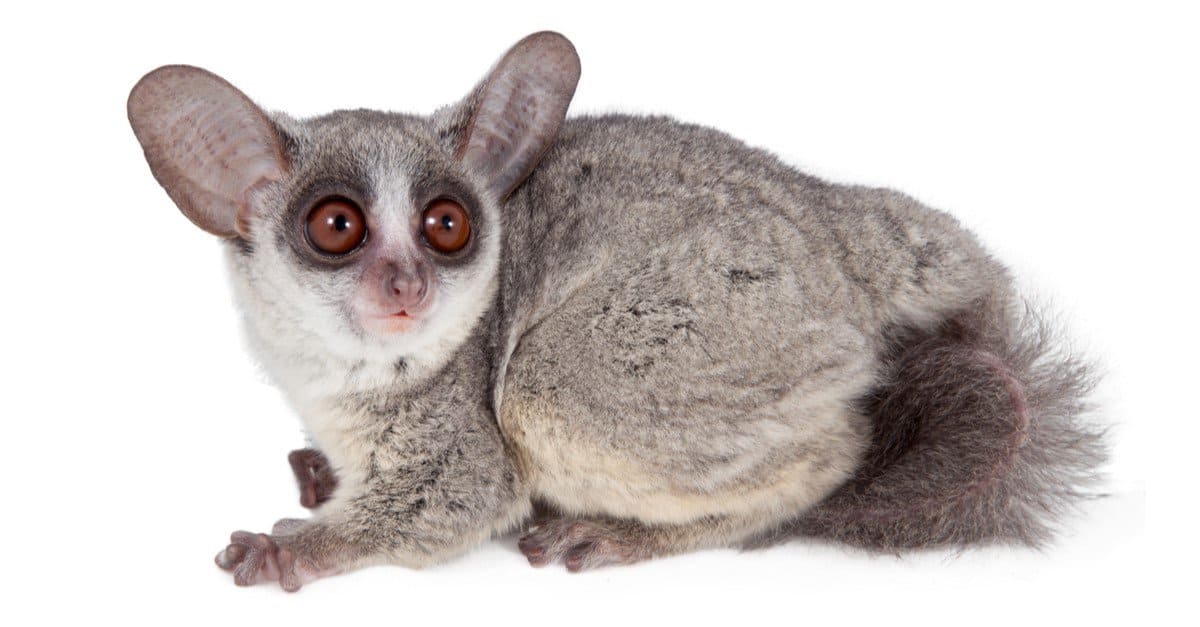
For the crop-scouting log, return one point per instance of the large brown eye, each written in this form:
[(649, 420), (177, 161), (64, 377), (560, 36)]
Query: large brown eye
[(336, 227), (445, 226)]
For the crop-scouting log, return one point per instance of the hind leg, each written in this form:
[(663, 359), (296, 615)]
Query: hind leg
[(582, 543)]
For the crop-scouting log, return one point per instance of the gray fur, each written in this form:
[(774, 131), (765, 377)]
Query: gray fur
[(979, 437), (668, 341)]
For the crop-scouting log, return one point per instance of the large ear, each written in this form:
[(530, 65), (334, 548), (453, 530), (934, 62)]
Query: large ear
[(517, 110), (207, 144)]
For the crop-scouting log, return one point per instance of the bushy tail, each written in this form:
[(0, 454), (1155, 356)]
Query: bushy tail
[(978, 438)]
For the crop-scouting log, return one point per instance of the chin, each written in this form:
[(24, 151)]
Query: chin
[(423, 337)]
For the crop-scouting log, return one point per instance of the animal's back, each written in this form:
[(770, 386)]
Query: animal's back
[(695, 323)]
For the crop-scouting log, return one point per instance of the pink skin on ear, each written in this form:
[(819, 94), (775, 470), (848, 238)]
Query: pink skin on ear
[(520, 107), (206, 143)]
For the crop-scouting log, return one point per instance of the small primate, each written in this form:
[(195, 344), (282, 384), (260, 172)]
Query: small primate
[(654, 336)]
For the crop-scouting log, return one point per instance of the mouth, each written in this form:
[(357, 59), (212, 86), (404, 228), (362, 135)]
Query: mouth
[(401, 321), (392, 319)]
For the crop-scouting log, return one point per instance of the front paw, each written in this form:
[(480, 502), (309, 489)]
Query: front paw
[(258, 557)]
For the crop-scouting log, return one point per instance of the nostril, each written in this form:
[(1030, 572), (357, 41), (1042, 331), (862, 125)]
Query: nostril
[(402, 286)]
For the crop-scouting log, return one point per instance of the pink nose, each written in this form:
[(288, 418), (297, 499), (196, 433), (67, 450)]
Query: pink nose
[(405, 286)]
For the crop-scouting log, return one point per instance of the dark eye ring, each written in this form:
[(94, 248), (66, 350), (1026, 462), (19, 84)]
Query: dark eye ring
[(335, 226)]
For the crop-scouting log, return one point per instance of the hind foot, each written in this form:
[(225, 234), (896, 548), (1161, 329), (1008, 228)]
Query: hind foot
[(582, 544)]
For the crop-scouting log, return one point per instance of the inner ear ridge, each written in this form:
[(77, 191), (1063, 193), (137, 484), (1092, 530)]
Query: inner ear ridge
[(519, 110), (207, 143)]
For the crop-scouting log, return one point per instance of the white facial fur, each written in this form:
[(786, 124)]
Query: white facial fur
[(314, 320), (306, 325)]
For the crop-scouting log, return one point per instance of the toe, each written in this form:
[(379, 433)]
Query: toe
[(533, 550), (576, 559), (246, 573), (289, 579), (256, 558), (231, 556)]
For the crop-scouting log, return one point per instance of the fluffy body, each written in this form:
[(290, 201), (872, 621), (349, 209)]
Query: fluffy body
[(662, 338), (682, 329)]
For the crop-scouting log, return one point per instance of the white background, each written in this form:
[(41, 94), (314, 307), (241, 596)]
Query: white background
[(138, 434)]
